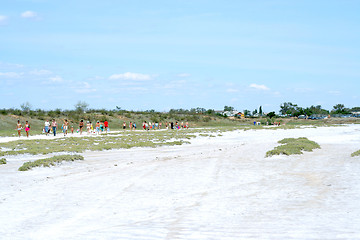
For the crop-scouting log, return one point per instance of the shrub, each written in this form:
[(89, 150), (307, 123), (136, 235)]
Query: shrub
[(47, 162), (293, 146), (357, 153), (2, 161)]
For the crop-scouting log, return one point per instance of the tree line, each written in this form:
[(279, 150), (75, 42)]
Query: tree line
[(80, 108)]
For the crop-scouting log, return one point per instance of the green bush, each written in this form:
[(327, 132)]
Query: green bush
[(357, 153), (2, 161), (47, 162), (292, 146)]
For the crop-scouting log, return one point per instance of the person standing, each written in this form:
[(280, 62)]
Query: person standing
[(47, 127), (106, 125), (88, 127), (54, 126), (101, 126), (97, 127), (19, 127), (27, 128), (65, 128), (81, 125)]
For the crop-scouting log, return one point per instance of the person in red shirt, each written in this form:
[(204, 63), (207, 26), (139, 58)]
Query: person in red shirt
[(106, 125)]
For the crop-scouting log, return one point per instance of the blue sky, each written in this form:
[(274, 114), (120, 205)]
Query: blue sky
[(142, 55)]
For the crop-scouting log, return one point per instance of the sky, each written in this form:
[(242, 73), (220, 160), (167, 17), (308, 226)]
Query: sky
[(142, 55)]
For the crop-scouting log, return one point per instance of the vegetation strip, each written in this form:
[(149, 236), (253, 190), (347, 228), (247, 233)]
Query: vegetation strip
[(103, 142), (293, 146), (47, 162)]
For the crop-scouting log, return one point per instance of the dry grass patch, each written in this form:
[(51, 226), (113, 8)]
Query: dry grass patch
[(47, 162), (292, 146), (357, 153)]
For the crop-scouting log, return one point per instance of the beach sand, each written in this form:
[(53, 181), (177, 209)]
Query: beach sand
[(214, 188)]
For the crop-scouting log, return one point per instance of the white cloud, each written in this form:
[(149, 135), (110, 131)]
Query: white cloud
[(29, 14), (40, 72), (2, 19), (10, 74), (259, 87), (56, 79), (84, 87), (131, 76), (184, 75)]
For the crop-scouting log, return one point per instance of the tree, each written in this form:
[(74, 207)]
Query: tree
[(210, 111), (271, 114), (288, 108), (25, 107), (340, 109), (247, 112), (81, 107), (254, 112), (315, 110), (260, 111), (355, 109), (228, 109)]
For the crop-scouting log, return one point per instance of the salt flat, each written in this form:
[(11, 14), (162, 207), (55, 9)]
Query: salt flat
[(214, 188)]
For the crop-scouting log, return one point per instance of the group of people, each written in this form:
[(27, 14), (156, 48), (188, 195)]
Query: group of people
[(100, 126), (20, 127), (171, 125)]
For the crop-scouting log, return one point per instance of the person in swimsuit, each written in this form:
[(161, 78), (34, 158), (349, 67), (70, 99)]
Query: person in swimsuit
[(91, 127), (66, 123), (102, 127), (19, 127), (106, 125), (81, 125), (27, 128)]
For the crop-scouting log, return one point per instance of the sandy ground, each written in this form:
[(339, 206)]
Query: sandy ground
[(213, 188)]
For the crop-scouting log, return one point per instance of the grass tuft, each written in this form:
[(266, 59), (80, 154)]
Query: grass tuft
[(357, 153), (292, 146), (2, 161), (47, 162)]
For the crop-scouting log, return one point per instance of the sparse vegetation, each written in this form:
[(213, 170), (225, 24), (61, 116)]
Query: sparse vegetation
[(357, 153), (292, 146), (47, 162)]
